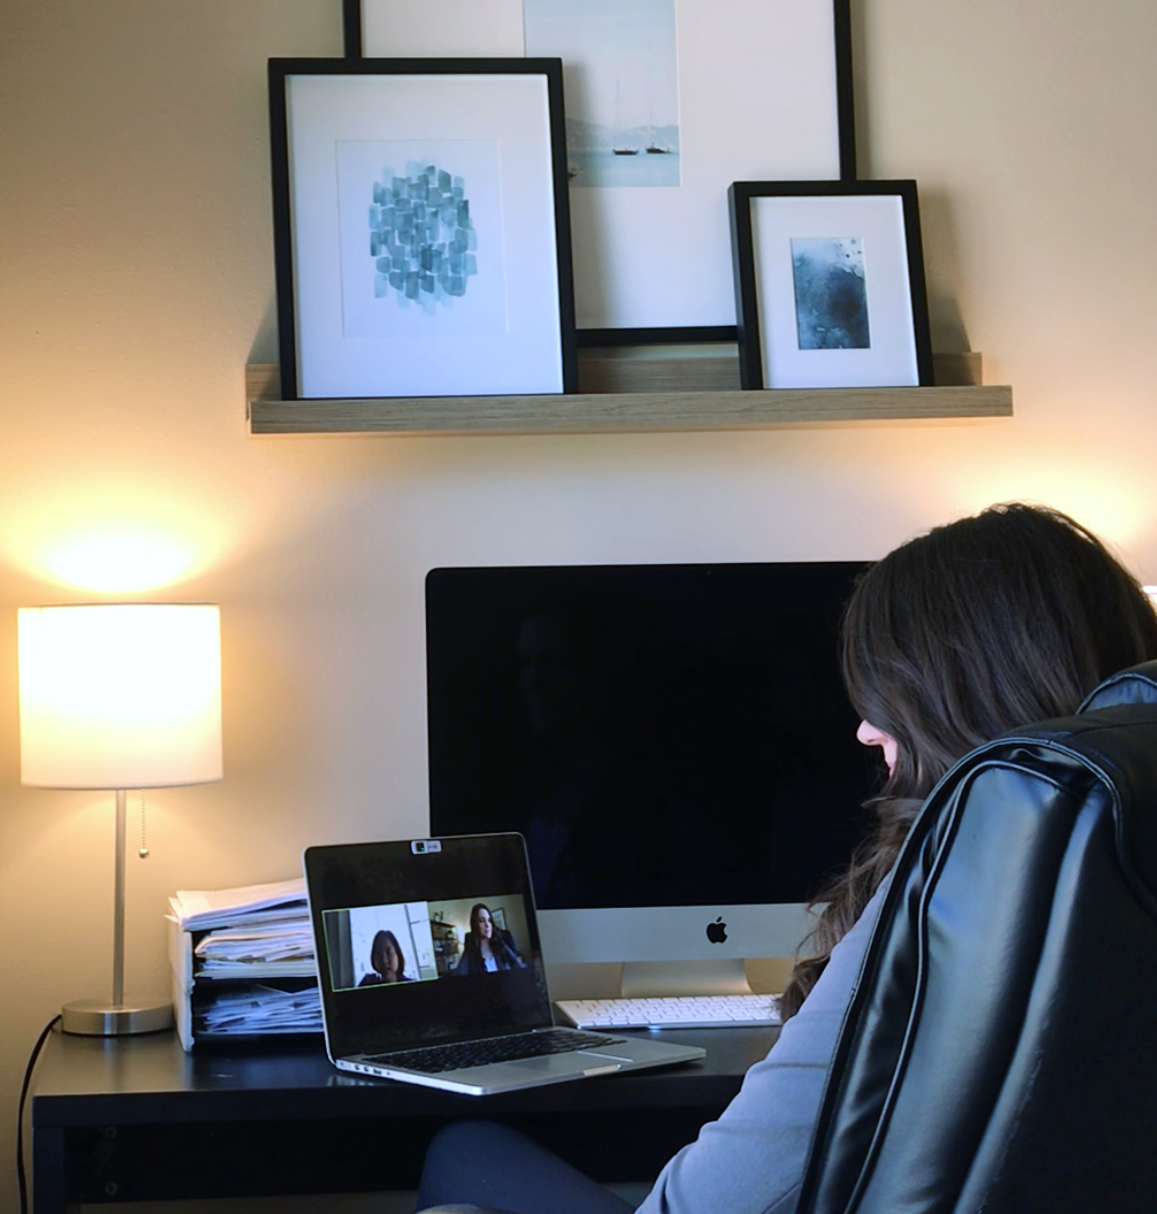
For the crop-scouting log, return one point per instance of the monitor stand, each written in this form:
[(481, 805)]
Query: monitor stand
[(659, 978)]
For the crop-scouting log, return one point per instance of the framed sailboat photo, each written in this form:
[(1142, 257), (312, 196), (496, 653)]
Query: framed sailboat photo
[(667, 103)]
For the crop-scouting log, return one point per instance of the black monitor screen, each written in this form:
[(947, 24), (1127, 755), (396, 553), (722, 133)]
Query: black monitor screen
[(661, 734)]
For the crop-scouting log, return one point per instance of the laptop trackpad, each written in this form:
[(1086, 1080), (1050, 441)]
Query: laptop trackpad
[(568, 1064)]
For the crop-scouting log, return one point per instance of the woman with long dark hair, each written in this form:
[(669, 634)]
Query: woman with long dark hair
[(488, 948), (975, 629)]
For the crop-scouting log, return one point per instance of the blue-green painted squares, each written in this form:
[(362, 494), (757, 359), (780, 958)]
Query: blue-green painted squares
[(422, 237)]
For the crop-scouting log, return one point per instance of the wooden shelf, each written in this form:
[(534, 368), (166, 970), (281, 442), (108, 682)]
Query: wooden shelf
[(631, 390)]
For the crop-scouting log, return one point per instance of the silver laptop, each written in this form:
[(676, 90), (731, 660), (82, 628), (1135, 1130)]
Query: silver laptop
[(431, 972)]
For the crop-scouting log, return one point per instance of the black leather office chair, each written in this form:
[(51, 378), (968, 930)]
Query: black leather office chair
[(1000, 1053)]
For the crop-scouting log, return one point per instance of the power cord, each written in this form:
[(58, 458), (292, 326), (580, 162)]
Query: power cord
[(21, 1179)]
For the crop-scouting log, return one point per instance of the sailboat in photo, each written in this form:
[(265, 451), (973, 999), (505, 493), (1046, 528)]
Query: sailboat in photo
[(621, 147), (654, 147)]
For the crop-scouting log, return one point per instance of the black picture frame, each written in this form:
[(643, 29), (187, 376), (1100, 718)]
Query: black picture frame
[(295, 225), (351, 28), (633, 333), (768, 284)]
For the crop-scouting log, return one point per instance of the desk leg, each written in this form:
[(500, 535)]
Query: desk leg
[(48, 1171)]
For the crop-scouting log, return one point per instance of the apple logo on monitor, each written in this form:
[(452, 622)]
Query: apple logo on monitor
[(717, 931)]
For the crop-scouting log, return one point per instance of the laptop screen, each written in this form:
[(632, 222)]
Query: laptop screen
[(425, 941)]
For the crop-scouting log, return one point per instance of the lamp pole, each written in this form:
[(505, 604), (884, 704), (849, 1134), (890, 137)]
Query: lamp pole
[(94, 1017), (118, 923)]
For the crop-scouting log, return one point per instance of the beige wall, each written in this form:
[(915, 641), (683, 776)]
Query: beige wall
[(136, 280)]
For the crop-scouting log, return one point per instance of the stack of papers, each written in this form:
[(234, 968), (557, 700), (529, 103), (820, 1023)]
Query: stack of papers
[(196, 910), (269, 951), (262, 1009), (254, 968)]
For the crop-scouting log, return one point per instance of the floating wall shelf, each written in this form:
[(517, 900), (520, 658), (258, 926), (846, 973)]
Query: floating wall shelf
[(634, 389)]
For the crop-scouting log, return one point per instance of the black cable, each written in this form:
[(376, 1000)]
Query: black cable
[(21, 1179)]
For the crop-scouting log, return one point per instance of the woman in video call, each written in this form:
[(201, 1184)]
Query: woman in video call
[(389, 965), (972, 630), (488, 949)]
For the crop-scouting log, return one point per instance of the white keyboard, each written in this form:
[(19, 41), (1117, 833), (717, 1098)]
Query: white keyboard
[(672, 1012)]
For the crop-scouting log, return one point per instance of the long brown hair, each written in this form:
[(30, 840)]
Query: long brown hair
[(498, 943), (974, 629)]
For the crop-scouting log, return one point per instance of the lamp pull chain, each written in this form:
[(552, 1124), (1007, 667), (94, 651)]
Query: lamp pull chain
[(144, 849)]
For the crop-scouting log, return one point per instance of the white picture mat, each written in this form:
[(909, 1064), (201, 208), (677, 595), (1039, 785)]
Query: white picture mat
[(442, 29), (324, 110), (878, 220), (758, 102)]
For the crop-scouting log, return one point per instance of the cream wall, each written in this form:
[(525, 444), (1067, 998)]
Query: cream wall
[(136, 281)]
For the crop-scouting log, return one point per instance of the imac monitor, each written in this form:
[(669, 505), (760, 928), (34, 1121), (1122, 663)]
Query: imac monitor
[(673, 741)]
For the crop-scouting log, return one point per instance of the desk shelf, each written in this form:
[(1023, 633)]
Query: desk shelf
[(625, 390)]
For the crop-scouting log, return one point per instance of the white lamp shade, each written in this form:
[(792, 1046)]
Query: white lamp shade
[(120, 695)]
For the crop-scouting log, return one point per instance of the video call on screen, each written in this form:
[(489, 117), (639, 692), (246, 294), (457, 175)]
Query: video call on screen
[(407, 942)]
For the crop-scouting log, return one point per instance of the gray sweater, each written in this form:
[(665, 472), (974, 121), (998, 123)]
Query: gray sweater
[(751, 1161)]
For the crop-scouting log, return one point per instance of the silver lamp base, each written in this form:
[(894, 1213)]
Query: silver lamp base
[(96, 1018)]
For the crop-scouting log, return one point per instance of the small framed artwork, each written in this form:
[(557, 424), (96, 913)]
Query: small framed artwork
[(667, 103), (829, 284), (421, 228)]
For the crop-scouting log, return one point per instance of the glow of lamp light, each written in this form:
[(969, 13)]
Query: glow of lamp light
[(119, 563)]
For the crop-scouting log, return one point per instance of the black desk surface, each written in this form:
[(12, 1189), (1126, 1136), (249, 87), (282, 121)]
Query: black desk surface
[(140, 1119)]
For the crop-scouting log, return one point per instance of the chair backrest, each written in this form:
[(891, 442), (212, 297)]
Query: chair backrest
[(1000, 1051)]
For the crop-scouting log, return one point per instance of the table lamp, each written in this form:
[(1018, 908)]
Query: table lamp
[(118, 696)]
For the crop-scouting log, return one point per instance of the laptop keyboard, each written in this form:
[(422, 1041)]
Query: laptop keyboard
[(433, 1060)]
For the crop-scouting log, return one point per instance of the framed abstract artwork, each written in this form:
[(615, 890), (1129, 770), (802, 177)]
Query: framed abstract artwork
[(829, 280), (667, 103), (421, 228)]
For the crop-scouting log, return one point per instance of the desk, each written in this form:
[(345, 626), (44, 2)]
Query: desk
[(139, 1119)]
